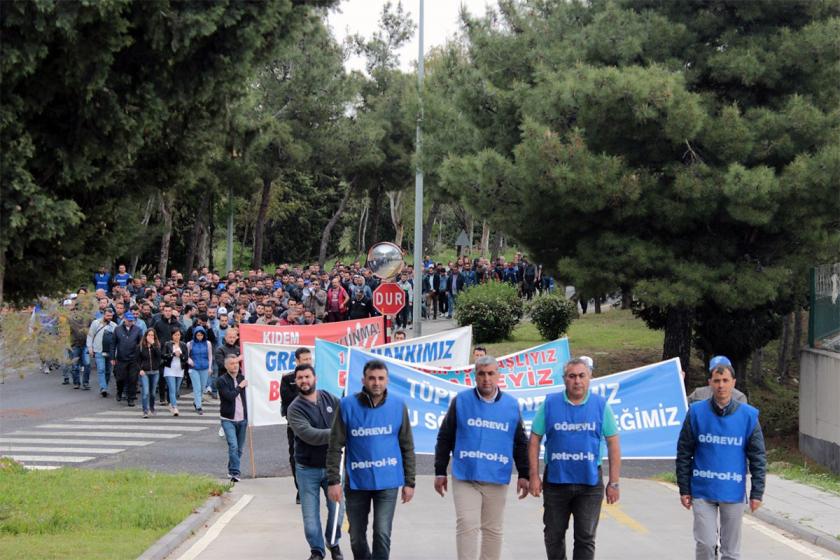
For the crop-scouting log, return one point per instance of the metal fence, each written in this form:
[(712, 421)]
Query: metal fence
[(824, 317)]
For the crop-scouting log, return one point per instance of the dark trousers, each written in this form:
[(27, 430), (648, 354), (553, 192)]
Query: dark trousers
[(357, 504), (290, 435), (443, 303), (580, 501), (125, 374), (162, 388)]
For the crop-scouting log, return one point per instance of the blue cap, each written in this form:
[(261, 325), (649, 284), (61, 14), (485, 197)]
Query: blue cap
[(129, 316), (719, 361)]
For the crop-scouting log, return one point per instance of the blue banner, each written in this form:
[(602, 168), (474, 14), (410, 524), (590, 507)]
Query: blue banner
[(540, 366), (648, 402)]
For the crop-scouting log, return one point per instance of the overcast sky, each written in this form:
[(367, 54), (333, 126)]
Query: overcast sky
[(362, 16)]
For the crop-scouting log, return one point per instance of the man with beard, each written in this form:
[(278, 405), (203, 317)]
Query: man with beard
[(310, 418), (288, 393)]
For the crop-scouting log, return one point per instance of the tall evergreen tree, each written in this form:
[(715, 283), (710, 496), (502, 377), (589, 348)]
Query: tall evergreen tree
[(689, 149)]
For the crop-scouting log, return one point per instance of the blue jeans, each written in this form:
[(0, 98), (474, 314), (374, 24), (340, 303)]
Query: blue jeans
[(310, 481), (199, 379), (103, 370), (358, 510), (148, 388), (174, 386), (211, 382), (235, 435), (80, 359)]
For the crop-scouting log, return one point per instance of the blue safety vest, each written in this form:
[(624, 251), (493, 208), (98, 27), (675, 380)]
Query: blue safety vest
[(484, 438), (122, 279), (573, 439), (374, 459), (101, 281), (719, 471)]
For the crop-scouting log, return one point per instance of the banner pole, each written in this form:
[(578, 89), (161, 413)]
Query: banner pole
[(251, 451), (338, 505)]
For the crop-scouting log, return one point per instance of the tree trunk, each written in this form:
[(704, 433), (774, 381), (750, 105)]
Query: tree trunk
[(166, 203), (395, 203), (238, 263), (626, 297), (259, 226), (485, 238), (740, 366), (2, 271), (325, 236), (677, 343), (797, 333), (198, 231), (470, 233), (211, 231), (427, 227), (147, 214), (784, 343), (598, 300), (376, 212), (363, 221), (495, 247), (755, 367)]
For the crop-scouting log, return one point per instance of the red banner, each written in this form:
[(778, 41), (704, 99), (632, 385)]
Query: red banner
[(359, 332)]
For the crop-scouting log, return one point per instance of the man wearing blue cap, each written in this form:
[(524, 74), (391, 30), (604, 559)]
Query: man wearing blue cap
[(127, 345), (705, 392), (720, 439)]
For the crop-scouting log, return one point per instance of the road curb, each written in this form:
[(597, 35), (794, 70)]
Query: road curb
[(183, 530), (807, 534)]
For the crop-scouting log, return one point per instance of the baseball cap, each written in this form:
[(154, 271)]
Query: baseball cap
[(222, 311), (129, 316), (719, 361)]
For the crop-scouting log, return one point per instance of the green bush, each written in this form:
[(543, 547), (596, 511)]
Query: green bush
[(552, 314), (493, 309)]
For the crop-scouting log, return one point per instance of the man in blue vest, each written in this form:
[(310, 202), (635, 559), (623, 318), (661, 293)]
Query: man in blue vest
[(574, 423), (374, 429), (484, 433), (102, 280), (720, 438)]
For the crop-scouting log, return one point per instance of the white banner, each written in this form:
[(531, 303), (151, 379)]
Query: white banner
[(447, 349), (266, 365)]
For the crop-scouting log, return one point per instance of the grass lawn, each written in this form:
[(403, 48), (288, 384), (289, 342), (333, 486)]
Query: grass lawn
[(615, 340), (92, 514)]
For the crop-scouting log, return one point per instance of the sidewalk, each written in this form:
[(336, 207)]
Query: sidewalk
[(261, 521)]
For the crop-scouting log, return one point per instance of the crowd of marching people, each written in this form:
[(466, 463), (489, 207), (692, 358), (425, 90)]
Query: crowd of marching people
[(157, 333)]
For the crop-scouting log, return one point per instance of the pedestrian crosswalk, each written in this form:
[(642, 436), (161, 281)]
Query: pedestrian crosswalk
[(86, 438)]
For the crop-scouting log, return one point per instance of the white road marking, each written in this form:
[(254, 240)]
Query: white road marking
[(41, 467), (214, 530), (130, 443), (784, 539), (36, 448), (138, 426), (94, 434), (106, 418), (51, 458), (767, 531)]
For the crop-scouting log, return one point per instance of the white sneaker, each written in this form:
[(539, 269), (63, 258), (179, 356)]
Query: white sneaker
[(221, 432)]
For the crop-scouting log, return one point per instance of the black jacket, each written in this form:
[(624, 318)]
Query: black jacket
[(148, 358), (228, 391), (169, 355), (288, 392), (459, 282), (756, 454), (446, 439), (127, 343), (311, 423), (163, 328), (221, 352)]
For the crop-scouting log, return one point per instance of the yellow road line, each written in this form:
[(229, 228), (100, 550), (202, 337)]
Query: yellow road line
[(615, 512)]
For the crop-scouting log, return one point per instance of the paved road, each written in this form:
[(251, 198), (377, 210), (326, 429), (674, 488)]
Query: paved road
[(648, 523), (46, 425)]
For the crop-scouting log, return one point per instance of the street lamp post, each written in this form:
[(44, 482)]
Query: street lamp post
[(418, 192)]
